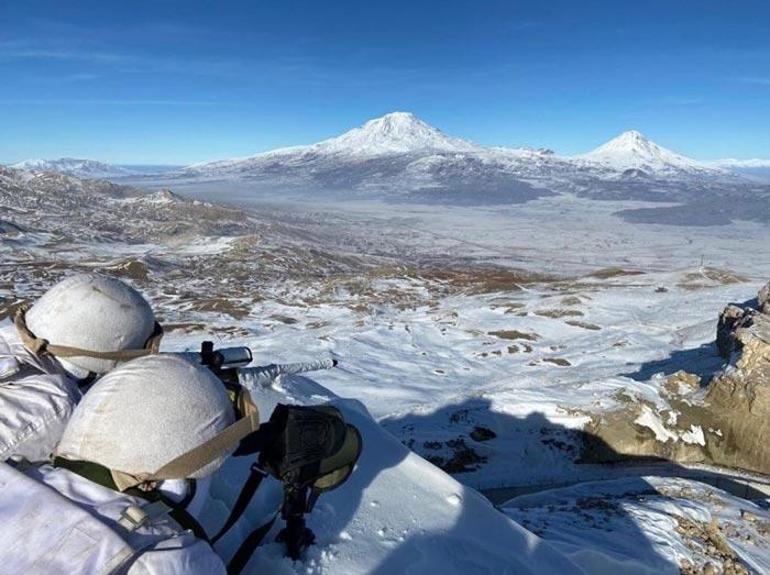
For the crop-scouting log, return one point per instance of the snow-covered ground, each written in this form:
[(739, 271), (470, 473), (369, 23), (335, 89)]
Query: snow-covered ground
[(481, 339), (529, 365), (650, 525)]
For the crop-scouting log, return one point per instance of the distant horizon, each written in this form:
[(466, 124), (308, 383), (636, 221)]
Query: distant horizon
[(181, 164), (175, 83)]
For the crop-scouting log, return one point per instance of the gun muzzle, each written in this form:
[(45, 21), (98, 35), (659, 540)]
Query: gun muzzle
[(232, 357), (219, 359)]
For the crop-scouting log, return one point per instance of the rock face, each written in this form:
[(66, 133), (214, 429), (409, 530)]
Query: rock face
[(732, 318), (763, 299), (737, 317), (729, 426), (739, 399)]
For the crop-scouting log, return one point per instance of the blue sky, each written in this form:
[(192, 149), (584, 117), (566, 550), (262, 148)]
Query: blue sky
[(178, 82)]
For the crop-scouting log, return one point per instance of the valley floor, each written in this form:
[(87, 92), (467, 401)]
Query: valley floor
[(483, 339)]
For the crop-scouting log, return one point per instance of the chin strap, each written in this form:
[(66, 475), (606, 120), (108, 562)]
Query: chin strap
[(39, 346)]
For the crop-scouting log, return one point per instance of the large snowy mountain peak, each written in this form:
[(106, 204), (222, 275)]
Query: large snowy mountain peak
[(394, 133)]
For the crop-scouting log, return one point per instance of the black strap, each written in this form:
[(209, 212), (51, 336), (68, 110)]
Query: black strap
[(192, 489), (184, 518), (246, 550), (244, 498), (87, 380)]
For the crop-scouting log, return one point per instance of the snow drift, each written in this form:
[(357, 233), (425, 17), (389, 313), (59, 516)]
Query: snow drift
[(396, 514)]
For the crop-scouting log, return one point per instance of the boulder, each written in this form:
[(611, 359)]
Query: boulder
[(729, 426)]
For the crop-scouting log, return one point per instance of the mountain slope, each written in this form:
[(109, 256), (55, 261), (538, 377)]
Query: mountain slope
[(99, 210), (81, 168)]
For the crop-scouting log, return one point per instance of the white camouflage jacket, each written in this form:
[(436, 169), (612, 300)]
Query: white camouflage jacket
[(37, 397), (56, 522)]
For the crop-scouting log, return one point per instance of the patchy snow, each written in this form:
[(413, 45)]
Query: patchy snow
[(480, 339), (650, 525), (650, 420)]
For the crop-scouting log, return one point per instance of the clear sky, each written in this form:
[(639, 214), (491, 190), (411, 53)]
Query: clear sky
[(178, 82)]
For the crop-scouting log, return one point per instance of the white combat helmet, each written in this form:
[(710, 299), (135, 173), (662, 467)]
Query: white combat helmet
[(92, 312), (146, 413)]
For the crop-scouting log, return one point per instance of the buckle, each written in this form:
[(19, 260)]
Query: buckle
[(132, 518)]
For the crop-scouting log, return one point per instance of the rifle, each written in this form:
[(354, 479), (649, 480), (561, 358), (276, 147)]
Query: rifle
[(228, 362)]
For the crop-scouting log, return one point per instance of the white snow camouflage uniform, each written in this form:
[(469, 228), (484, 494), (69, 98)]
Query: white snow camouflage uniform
[(56, 522), (37, 396)]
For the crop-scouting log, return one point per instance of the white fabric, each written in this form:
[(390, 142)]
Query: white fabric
[(92, 312), (177, 490), (56, 522), (265, 375), (37, 398), (145, 413)]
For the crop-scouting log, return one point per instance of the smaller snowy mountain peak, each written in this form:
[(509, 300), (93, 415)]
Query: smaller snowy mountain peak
[(630, 142), (397, 132), (78, 167), (632, 150)]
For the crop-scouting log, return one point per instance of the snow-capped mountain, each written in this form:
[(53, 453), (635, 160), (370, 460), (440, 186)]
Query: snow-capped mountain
[(401, 148), (631, 150), (393, 134), (401, 156), (395, 154), (78, 167)]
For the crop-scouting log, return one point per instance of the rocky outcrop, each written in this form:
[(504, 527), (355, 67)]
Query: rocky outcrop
[(729, 426), (763, 299), (736, 317), (739, 399), (732, 318)]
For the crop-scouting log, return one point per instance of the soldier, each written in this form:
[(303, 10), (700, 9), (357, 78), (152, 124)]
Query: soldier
[(78, 330), (150, 420)]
